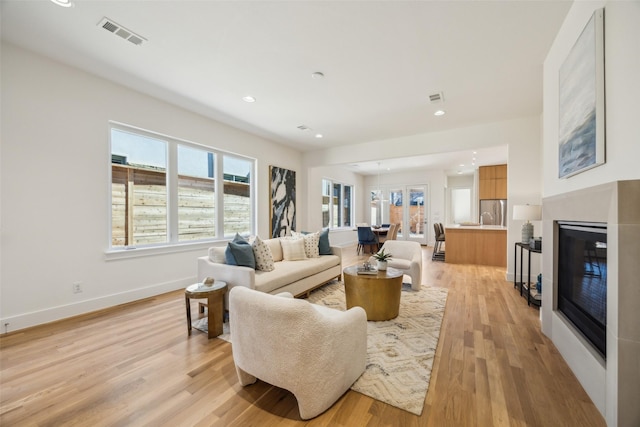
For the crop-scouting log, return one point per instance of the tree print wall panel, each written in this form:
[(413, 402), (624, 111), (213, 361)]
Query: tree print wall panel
[(283, 201)]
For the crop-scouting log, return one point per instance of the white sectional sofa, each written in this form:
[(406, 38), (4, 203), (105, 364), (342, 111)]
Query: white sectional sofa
[(297, 277)]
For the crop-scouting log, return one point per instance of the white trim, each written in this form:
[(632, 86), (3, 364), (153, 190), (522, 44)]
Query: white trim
[(134, 252), (35, 318)]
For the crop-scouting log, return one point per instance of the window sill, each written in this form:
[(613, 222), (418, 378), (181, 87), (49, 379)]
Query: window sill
[(132, 252), (340, 229)]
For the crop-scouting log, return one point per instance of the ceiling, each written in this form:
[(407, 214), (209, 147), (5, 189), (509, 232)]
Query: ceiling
[(380, 60)]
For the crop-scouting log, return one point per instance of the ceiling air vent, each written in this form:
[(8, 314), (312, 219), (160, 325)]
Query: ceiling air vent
[(436, 98), (121, 31)]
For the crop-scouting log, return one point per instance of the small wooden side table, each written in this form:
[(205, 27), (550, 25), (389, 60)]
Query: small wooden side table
[(215, 305)]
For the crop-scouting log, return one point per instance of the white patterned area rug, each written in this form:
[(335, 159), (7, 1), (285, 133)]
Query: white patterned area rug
[(400, 351)]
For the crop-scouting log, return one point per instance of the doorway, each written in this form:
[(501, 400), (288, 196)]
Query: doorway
[(408, 207)]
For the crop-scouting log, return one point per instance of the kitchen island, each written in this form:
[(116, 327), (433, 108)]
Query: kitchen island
[(476, 244)]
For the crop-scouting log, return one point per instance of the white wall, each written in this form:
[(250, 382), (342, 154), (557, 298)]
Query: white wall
[(55, 190), (622, 68)]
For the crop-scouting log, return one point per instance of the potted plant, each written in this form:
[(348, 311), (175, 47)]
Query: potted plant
[(382, 259)]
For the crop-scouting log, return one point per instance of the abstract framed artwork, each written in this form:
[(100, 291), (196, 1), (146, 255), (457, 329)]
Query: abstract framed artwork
[(283, 201), (581, 132)]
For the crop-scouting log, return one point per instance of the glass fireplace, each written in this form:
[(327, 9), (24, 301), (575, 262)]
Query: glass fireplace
[(582, 279)]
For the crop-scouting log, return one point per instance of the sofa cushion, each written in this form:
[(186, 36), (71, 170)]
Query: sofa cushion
[(262, 253), (216, 254), (286, 272), (292, 249), (311, 242), (276, 248)]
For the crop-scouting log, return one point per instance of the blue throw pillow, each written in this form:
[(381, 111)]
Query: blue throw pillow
[(228, 256), (240, 252), (243, 254), (324, 246)]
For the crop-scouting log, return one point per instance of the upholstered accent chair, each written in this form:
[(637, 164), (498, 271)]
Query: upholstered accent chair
[(313, 351), (406, 256)]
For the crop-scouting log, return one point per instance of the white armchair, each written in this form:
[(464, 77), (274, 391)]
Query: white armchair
[(406, 256), (315, 352)]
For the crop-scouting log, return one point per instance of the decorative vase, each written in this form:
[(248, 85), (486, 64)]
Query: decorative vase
[(382, 265)]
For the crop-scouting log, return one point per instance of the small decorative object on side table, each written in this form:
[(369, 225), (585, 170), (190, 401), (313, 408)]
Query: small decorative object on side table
[(527, 213), (367, 268), (382, 259), (214, 293)]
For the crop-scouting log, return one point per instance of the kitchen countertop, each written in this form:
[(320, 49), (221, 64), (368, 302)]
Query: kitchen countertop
[(475, 227)]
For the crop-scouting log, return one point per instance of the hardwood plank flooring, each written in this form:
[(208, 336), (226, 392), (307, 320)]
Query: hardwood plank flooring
[(134, 365)]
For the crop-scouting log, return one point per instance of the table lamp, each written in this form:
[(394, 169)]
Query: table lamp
[(527, 213)]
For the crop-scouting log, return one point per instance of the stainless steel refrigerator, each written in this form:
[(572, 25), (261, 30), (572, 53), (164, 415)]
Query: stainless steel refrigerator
[(493, 212)]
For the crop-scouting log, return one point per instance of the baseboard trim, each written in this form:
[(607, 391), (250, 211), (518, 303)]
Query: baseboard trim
[(53, 314)]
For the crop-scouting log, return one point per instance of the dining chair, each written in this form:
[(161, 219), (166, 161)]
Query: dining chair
[(394, 235), (366, 237), (389, 236)]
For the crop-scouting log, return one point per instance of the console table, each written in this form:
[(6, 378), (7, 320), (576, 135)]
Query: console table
[(532, 295)]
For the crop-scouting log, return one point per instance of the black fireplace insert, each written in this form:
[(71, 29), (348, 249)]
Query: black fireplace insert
[(582, 279)]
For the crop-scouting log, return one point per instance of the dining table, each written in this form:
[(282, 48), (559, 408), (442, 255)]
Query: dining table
[(380, 231)]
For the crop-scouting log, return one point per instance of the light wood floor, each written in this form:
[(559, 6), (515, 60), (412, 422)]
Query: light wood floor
[(134, 365)]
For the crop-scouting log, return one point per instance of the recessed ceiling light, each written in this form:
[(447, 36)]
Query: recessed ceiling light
[(317, 75), (461, 165), (63, 3), (439, 113), (248, 99), (319, 135)]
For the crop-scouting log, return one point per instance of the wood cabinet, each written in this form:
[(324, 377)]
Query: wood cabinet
[(492, 182), (476, 246)]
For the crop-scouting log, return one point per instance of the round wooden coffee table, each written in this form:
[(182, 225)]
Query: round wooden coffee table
[(215, 305), (378, 294)]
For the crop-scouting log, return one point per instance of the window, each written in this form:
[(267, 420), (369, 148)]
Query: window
[(165, 191), (337, 204), (461, 205), (237, 196)]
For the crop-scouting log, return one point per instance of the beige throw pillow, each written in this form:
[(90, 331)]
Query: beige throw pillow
[(262, 253), (311, 241), (293, 249)]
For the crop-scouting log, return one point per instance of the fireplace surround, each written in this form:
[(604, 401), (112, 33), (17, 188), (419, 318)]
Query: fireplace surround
[(612, 383)]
